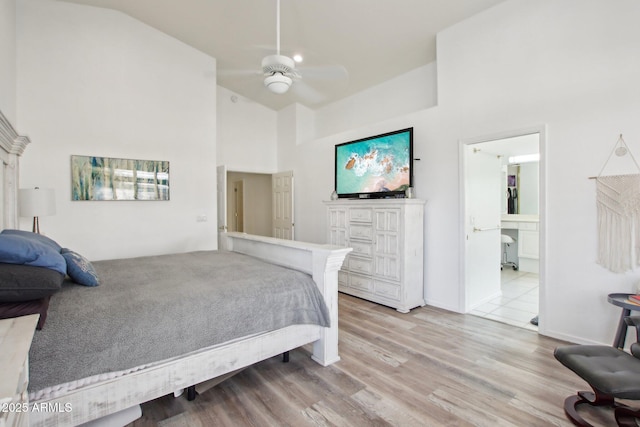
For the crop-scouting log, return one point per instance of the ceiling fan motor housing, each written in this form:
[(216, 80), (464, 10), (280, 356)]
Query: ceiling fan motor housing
[(278, 64)]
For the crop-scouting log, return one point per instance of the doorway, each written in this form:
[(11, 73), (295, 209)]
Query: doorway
[(254, 198), (249, 202), (504, 196)]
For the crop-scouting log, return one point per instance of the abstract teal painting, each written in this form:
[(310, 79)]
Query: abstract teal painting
[(105, 178)]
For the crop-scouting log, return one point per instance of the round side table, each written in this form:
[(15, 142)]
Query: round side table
[(622, 300)]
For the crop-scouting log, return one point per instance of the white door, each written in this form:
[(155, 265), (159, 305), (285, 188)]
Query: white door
[(221, 190), (483, 194), (282, 188)]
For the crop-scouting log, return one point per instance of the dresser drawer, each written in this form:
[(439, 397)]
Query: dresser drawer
[(364, 232), (362, 249), (360, 265), (361, 283), (387, 290), (360, 215)]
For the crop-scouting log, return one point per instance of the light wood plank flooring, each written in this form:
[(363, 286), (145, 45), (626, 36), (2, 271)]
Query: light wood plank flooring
[(427, 368)]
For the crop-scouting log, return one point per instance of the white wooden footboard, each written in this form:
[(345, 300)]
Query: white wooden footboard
[(321, 261)]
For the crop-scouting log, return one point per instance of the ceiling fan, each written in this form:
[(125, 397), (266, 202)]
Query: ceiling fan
[(280, 75), (279, 70)]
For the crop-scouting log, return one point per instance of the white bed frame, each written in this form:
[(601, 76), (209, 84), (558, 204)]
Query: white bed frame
[(113, 396)]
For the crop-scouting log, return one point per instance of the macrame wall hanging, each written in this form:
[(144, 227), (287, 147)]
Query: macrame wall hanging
[(618, 202)]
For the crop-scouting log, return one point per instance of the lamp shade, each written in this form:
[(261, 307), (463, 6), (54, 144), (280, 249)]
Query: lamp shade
[(35, 202)]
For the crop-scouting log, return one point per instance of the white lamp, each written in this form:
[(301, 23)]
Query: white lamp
[(37, 202)]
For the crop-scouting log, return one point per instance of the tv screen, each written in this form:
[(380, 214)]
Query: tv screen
[(375, 167)]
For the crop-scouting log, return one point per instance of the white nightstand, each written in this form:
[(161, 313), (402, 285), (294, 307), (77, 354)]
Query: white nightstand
[(15, 340)]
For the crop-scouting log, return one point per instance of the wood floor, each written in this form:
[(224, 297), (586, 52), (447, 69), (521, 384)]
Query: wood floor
[(427, 368)]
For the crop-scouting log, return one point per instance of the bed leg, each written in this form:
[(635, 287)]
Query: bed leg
[(285, 357), (191, 393)]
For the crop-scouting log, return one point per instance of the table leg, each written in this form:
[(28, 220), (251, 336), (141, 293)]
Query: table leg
[(621, 333)]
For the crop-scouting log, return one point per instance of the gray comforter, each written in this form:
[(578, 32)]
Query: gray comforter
[(153, 308)]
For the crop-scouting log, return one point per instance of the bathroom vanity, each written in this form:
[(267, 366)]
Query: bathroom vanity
[(525, 230)]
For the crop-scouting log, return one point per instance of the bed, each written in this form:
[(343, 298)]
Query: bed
[(98, 396)]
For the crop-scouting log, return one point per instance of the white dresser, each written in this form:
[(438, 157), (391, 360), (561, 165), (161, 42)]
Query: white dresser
[(387, 237), (15, 340)]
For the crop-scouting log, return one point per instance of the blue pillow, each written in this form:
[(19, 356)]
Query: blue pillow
[(80, 269), (16, 249), (34, 236)]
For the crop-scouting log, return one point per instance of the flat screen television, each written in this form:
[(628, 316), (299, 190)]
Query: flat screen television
[(378, 166)]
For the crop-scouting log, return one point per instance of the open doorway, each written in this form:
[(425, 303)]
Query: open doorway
[(255, 203), (503, 190), (249, 202)]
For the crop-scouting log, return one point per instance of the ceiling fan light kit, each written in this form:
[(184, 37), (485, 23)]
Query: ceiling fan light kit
[(277, 83)]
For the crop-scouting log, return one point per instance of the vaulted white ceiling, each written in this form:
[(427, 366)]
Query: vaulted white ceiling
[(374, 40)]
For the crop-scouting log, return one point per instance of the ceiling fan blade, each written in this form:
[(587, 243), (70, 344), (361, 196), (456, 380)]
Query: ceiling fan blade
[(239, 73), (328, 72), (307, 93)]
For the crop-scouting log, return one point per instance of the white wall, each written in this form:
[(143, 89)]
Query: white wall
[(8, 60), (405, 94), (567, 66), (247, 134), (92, 81)]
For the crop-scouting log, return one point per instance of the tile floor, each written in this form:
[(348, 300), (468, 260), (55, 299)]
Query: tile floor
[(518, 303)]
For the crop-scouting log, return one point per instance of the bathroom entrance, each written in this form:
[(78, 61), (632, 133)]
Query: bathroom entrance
[(502, 211)]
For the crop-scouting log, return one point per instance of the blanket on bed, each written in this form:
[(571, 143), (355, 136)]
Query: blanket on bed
[(154, 308)]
